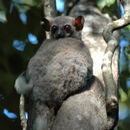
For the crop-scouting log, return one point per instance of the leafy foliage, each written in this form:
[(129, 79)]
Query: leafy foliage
[(13, 27), (105, 3), (124, 79), (108, 6)]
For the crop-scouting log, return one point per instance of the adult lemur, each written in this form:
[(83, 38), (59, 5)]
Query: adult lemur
[(60, 67)]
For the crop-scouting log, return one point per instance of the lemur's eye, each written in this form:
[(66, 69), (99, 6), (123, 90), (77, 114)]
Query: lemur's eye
[(67, 28), (54, 28)]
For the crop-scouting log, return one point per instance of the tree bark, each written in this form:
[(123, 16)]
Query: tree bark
[(84, 111), (49, 11)]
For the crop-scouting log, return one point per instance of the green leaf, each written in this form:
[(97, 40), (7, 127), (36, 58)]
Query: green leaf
[(28, 2), (2, 5), (123, 95), (105, 3), (110, 2), (127, 52), (101, 4)]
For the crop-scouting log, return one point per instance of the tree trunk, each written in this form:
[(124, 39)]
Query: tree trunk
[(84, 111)]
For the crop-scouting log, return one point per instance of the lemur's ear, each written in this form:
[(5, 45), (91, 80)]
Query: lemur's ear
[(46, 24), (79, 23)]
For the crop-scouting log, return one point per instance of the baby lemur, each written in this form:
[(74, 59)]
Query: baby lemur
[(60, 67)]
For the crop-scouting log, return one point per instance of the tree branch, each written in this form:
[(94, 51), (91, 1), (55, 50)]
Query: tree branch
[(112, 43), (22, 113), (49, 8), (49, 11)]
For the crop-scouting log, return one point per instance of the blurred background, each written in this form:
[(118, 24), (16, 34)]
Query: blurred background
[(20, 36)]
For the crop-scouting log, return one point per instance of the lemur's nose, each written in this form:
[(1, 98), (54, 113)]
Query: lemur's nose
[(60, 34)]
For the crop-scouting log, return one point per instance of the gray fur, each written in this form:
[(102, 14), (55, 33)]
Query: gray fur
[(23, 84), (61, 67)]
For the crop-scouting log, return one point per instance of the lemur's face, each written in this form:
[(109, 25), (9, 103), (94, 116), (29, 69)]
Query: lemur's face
[(63, 26)]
